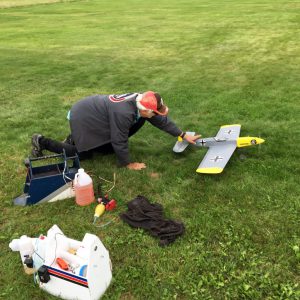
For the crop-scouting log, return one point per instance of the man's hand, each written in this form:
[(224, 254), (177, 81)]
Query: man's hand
[(192, 138), (136, 166)]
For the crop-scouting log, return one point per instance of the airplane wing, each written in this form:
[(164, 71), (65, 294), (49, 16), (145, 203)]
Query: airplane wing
[(182, 144), (216, 159), (229, 132)]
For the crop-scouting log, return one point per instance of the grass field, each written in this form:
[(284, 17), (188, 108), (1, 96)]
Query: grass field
[(8, 3), (215, 63)]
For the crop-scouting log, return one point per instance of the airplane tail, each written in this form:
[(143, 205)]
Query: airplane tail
[(181, 144)]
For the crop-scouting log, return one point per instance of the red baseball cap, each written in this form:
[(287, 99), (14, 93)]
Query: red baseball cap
[(152, 101)]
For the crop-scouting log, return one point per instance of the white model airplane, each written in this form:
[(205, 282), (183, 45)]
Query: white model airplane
[(221, 147)]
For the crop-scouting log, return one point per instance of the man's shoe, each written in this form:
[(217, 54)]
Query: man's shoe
[(36, 146), (36, 153)]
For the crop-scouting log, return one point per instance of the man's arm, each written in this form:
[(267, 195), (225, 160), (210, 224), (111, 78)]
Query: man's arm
[(120, 126), (166, 124)]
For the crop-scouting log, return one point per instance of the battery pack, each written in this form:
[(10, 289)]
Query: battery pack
[(44, 275)]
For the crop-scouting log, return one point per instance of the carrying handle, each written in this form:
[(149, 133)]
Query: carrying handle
[(76, 178), (62, 155), (45, 157)]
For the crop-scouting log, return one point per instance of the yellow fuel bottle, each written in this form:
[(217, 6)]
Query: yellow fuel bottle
[(99, 211)]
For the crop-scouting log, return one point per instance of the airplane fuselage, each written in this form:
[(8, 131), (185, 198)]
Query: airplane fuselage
[(239, 142)]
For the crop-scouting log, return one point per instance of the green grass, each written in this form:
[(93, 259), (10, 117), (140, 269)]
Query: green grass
[(14, 3), (215, 63)]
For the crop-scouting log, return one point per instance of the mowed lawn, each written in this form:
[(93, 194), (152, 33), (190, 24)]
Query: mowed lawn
[(215, 63)]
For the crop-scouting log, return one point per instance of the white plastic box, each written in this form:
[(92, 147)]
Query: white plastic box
[(89, 273)]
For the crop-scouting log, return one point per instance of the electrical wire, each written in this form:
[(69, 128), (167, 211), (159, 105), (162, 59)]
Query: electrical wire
[(55, 247), (64, 173), (114, 182), (105, 224), (100, 194)]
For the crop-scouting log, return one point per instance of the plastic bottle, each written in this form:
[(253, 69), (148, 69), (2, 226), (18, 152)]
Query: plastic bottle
[(40, 251), (84, 191), (25, 246), (99, 211)]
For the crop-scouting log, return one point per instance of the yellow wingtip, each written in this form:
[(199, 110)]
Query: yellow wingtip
[(231, 125), (209, 170)]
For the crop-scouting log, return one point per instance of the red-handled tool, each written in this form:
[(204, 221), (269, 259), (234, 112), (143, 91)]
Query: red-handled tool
[(62, 264), (110, 204)]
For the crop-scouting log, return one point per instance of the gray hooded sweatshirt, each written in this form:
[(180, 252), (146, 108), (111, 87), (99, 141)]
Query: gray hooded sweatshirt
[(102, 119)]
